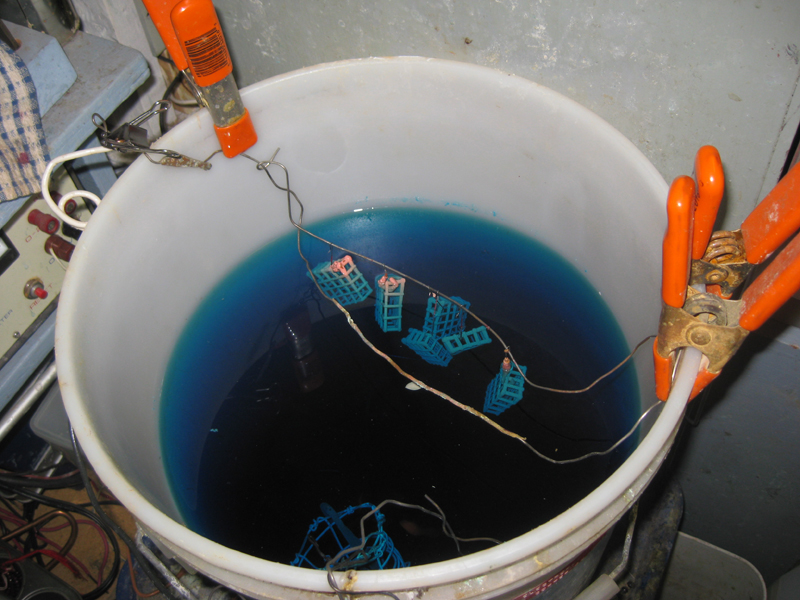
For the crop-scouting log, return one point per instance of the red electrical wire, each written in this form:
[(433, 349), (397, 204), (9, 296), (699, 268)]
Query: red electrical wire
[(60, 558), (46, 477), (10, 517), (106, 548)]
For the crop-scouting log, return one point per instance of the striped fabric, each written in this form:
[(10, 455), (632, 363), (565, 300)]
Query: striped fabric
[(23, 147)]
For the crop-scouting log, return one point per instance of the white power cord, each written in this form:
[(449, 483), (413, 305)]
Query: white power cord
[(58, 209)]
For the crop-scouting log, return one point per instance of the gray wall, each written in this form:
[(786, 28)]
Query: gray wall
[(671, 76)]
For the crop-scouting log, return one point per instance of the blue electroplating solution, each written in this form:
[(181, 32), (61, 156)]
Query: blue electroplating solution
[(239, 440)]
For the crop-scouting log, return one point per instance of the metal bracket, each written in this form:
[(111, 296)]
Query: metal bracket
[(130, 138), (706, 322)]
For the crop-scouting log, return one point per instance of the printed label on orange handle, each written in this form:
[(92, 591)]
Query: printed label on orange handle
[(710, 179), (676, 256), (200, 35)]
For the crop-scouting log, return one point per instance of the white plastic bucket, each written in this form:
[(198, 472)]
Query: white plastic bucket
[(382, 129)]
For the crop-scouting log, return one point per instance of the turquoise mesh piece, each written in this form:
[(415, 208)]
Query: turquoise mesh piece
[(443, 318), (427, 347), (389, 290), (342, 281), (466, 341), (504, 391)]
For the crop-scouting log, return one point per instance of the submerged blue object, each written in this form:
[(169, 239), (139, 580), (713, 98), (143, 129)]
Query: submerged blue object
[(328, 536), (389, 290), (444, 318), (504, 391), (427, 347), (342, 281), (473, 338)]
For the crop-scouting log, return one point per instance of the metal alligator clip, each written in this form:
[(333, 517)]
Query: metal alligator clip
[(709, 321), (131, 138)]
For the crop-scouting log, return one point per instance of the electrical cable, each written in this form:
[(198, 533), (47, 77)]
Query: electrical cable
[(48, 483), (58, 209), (335, 561), (19, 521), (106, 547), (290, 194), (134, 584), (107, 522), (45, 518), (68, 506), (162, 116), (264, 165), (58, 260)]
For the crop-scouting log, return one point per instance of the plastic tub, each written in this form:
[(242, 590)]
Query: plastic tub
[(501, 146)]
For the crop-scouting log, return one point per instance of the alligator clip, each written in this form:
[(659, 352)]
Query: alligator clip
[(709, 321)]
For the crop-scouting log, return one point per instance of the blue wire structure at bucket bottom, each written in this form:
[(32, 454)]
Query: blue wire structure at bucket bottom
[(328, 535)]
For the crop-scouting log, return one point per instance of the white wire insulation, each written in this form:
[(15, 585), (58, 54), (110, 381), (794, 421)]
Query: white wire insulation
[(58, 209)]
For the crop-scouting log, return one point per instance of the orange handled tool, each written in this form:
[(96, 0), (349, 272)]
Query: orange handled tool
[(676, 251), (709, 321), (710, 188), (192, 34)]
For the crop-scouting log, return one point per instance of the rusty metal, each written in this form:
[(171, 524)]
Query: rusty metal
[(185, 161), (707, 323), (724, 263), (727, 276)]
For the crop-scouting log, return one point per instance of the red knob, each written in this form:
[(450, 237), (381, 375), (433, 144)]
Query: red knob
[(61, 247), (70, 206), (45, 222), (41, 293)]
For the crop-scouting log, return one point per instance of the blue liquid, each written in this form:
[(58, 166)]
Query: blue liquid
[(227, 406)]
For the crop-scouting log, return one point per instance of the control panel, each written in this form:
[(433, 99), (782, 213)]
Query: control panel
[(35, 248)]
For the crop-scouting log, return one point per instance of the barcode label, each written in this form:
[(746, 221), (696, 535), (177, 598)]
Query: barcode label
[(207, 53)]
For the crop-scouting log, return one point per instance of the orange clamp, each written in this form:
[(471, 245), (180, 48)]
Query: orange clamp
[(710, 179), (774, 220), (198, 30), (676, 258)]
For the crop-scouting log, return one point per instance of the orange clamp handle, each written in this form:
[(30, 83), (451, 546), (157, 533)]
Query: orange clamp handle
[(701, 381), (159, 11), (664, 367), (238, 137), (663, 373), (710, 178), (196, 24), (774, 220), (676, 257), (779, 282)]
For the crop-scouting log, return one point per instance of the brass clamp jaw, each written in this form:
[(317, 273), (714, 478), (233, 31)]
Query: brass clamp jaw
[(706, 322), (692, 255)]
